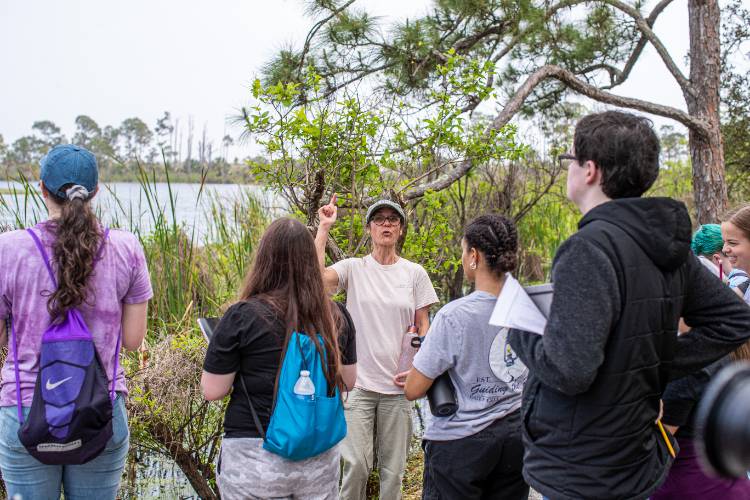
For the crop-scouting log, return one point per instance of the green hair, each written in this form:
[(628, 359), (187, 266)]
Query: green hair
[(707, 240)]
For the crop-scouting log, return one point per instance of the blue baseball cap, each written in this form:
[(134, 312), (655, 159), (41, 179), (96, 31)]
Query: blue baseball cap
[(69, 164)]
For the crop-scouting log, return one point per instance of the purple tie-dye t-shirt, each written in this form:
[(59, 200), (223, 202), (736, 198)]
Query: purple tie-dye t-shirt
[(120, 277)]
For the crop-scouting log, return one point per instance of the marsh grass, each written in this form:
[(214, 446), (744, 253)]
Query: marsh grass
[(23, 204)]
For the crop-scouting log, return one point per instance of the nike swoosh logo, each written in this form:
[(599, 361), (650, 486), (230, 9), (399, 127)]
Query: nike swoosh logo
[(51, 386)]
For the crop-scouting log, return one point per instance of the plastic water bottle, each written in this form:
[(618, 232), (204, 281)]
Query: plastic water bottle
[(304, 386), (408, 350)]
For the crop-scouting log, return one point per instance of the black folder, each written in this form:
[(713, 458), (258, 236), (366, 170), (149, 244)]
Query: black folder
[(208, 325)]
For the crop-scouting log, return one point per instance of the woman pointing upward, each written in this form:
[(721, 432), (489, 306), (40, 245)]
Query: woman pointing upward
[(385, 293)]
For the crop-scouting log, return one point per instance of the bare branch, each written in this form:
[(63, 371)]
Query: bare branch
[(636, 54), (617, 77), (428, 173), (333, 250), (526, 208), (330, 90), (648, 33), (614, 73), (569, 79)]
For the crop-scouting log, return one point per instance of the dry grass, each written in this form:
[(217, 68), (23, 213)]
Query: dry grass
[(170, 371), (168, 413)]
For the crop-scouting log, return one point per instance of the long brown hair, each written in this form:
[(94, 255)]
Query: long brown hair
[(77, 239), (286, 276), (740, 218)]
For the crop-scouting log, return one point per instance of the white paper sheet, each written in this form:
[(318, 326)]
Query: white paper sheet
[(522, 308)]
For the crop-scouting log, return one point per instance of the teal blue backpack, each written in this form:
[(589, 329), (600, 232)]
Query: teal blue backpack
[(302, 426)]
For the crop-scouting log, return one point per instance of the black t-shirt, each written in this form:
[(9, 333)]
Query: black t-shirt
[(248, 340)]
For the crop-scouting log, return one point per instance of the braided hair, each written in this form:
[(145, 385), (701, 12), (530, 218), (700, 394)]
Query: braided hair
[(497, 238)]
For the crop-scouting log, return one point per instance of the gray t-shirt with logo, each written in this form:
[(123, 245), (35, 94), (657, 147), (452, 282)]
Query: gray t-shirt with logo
[(486, 373)]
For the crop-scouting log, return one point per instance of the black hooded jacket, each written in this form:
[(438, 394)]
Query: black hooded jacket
[(621, 284)]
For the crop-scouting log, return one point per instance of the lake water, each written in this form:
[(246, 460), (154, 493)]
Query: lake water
[(127, 205)]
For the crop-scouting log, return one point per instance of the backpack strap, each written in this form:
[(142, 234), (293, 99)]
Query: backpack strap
[(301, 352), (42, 251), (39, 247), (252, 408), (15, 369), (116, 364)]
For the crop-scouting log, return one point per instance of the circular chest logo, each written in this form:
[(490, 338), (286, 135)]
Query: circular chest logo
[(504, 363)]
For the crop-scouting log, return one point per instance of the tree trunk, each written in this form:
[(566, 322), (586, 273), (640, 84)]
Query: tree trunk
[(456, 286), (197, 473), (706, 151)]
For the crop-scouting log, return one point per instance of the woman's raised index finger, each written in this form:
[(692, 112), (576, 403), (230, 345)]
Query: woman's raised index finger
[(333, 199)]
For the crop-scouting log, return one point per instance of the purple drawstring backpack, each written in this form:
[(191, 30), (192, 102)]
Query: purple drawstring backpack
[(70, 421)]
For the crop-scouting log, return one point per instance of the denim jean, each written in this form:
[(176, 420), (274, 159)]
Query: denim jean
[(28, 479)]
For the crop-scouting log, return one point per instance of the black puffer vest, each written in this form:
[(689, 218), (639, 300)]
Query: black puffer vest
[(603, 443)]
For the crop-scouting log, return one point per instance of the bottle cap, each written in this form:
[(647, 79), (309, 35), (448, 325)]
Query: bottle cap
[(304, 373)]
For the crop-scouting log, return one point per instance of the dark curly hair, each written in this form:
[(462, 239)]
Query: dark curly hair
[(497, 238), (78, 236), (624, 146)]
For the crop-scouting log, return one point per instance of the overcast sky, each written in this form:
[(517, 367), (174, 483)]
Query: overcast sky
[(113, 60)]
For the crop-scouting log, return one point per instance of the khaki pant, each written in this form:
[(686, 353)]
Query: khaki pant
[(392, 415)]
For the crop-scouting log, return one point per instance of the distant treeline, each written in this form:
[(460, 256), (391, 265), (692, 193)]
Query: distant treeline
[(121, 149)]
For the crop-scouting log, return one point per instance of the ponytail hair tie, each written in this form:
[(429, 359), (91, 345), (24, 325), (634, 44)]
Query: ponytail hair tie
[(76, 192)]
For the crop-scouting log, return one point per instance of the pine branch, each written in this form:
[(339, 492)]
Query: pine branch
[(572, 82)]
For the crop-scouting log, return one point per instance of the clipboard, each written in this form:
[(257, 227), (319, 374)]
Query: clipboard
[(207, 326), (541, 296), (522, 308)]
